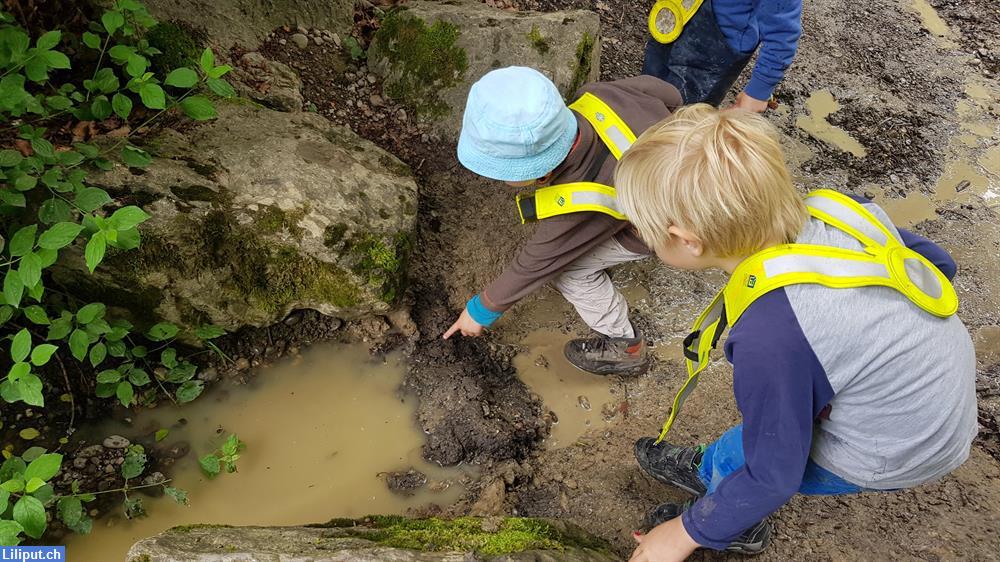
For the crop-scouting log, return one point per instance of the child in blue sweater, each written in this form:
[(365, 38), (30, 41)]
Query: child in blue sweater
[(718, 42), (851, 370)]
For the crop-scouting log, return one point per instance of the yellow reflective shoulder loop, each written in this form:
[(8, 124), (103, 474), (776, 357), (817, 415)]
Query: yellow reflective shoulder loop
[(574, 197), (611, 128)]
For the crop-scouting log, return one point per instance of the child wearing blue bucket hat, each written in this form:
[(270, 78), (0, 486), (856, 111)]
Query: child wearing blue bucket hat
[(517, 129)]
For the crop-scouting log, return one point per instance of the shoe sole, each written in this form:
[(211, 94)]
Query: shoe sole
[(631, 371), (662, 479)]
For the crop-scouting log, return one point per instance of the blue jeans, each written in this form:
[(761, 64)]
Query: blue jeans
[(725, 456), (700, 63)]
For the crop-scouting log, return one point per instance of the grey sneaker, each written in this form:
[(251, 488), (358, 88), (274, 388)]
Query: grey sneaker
[(604, 355), (670, 464), (751, 541)]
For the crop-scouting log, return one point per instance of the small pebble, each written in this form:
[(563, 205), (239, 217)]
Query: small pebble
[(300, 40), (242, 364), (116, 442), (282, 41), (318, 40)]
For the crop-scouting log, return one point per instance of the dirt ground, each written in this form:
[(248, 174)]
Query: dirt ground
[(925, 109)]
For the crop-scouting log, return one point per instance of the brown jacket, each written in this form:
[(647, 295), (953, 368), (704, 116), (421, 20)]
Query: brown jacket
[(558, 241)]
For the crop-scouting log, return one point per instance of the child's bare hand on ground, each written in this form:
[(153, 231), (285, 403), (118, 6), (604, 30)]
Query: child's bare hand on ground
[(744, 101), (466, 325), (667, 542)]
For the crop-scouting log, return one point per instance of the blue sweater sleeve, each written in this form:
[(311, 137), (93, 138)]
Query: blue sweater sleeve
[(779, 23), (780, 388)]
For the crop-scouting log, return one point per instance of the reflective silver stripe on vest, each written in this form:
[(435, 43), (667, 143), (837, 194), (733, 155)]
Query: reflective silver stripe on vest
[(923, 278), (616, 136), (595, 198), (833, 267), (848, 216)]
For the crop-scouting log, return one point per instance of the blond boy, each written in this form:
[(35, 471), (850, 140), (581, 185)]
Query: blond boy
[(866, 387)]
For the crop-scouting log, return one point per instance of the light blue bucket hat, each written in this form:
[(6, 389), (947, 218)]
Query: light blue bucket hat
[(516, 126)]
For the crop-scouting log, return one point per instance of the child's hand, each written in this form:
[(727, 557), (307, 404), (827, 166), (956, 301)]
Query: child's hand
[(466, 325), (667, 542), (744, 101)]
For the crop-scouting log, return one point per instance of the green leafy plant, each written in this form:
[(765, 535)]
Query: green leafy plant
[(223, 458), (48, 208), (354, 48)]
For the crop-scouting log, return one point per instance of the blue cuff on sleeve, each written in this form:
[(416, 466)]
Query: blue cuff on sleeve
[(481, 314), (760, 88)]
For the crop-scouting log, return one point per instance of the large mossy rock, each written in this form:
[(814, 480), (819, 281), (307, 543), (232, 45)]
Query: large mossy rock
[(379, 539), (247, 22), (255, 214), (430, 53)]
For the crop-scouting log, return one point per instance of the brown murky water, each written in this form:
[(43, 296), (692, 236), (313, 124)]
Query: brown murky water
[(319, 431), (822, 104), (930, 19), (577, 398)]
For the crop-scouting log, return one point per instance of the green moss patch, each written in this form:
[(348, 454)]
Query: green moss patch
[(424, 60), (382, 261), (584, 60), (179, 45), (537, 41), (466, 534)]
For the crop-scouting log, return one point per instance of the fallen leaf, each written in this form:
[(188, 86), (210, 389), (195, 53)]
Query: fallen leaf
[(24, 147)]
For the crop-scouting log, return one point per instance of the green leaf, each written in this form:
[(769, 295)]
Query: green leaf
[(152, 96), (100, 108), (105, 390), (25, 182), (128, 239), (12, 198), (139, 351), (30, 514), (138, 377), (70, 511), (210, 465), (209, 332), (207, 60), (14, 485), (125, 393), (55, 59), (96, 247), (189, 391), (21, 345), (54, 210), (219, 71), (105, 81), (79, 342), (161, 434), (36, 69), (33, 484), (112, 21), (135, 463), (59, 103), (91, 312), (91, 40), (44, 467), (109, 376), (162, 331), (41, 354), (136, 65), (9, 531), (69, 158), (37, 315), (135, 158), (6, 312), (91, 198), (13, 289), (10, 158), (120, 53), (122, 105), (43, 147), (23, 240), (97, 354), (60, 327), (232, 445), (48, 40), (220, 87), (59, 235), (181, 78), (4, 500), (176, 494), (198, 108), (30, 269), (182, 373), (168, 357), (18, 371)]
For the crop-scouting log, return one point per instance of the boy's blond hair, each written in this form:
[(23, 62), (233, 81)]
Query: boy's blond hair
[(719, 174)]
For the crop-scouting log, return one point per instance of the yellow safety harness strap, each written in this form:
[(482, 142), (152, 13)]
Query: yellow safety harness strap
[(681, 11), (612, 129), (568, 198)]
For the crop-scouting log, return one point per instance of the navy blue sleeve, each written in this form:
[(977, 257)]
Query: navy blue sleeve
[(934, 253), (780, 388), (780, 25), (923, 246)]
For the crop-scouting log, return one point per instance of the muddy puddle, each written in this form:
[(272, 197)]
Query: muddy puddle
[(821, 104), (578, 401), (320, 429)]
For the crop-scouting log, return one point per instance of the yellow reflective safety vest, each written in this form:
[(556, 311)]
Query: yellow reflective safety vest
[(668, 17), (575, 197), (885, 262)]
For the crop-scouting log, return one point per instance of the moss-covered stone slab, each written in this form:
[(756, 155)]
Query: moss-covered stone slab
[(430, 53), (382, 539), (253, 215), (247, 22)]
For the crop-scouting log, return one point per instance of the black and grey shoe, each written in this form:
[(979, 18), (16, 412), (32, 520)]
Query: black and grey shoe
[(751, 541), (605, 355), (670, 464)]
